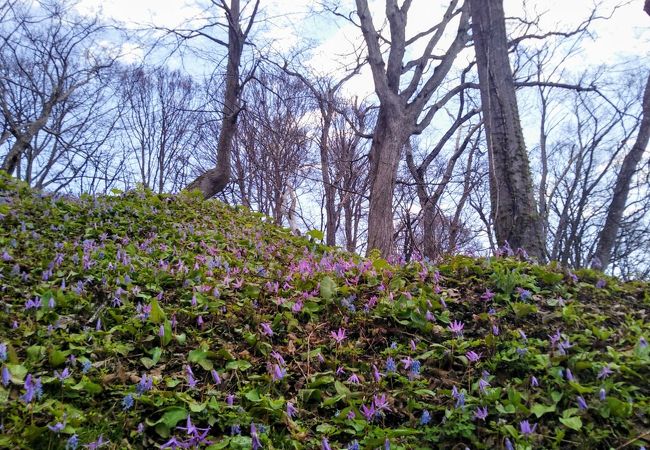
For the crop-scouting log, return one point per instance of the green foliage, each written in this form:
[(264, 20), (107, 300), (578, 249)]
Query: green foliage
[(189, 308)]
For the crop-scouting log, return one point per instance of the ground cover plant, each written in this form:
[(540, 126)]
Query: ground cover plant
[(148, 321)]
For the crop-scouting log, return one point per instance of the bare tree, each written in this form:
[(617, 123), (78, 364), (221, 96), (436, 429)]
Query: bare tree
[(516, 219), (402, 100), (213, 181), (50, 63)]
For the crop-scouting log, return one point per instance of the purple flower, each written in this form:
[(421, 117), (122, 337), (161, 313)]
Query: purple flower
[(140, 428), (173, 443), (325, 445), (256, 440), (354, 445), (278, 357), (601, 283), (266, 329), (534, 382), (199, 321), (582, 404), (472, 356), (215, 376), (63, 375), (509, 445), (339, 336), (481, 413), (375, 374), (3, 352), (487, 295), (58, 427), (605, 372), (495, 330), (642, 342), (97, 444), (524, 294), (161, 331), (354, 379), (6, 376), (525, 428), (426, 417), (278, 372), (368, 411), (291, 410), (523, 335), (381, 403), (456, 328), (569, 375), (602, 394), (483, 384), (230, 399), (191, 381), (145, 384)]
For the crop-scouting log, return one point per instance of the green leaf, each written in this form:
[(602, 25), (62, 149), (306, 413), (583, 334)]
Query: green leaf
[(316, 234), (173, 415), (253, 395), (523, 309), (200, 357), (157, 314), (327, 288), (539, 409), (572, 422), (239, 364)]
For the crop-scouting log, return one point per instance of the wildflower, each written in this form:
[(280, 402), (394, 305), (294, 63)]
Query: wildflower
[(230, 398), (51, 303), (495, 330), (3, 352), (393, 345), (456, 328), (564, 346), (524, 294), (174, 443), (605, 372), (351, 415), (278, 372), (523, 335), (65, 373), (375, 374), (534, 382), (85, 366), (582, 404), (72, 442), (161, 331), (6, 376), (600, 284), (368, 411), (199, 321), (483, 384), (354, 379), (472, 356), (425, 418), (98, 325), (140, 429), (487, 295), (215, 376), (602, 394), (340, 371), (291, 410), (642, 342), (569, 375), (387, 444), (413, 345), (415, 369), (127, 402), (278, 357), (97, 444), (390, 365), (381, 402), (525, 428), (339, 336), (58, 427), (145, 384), (430, 317), (481, 413), (509, 445), (354, 445), (266, 329), (235, 429), (255, 438), (325, 445), (190, 377)]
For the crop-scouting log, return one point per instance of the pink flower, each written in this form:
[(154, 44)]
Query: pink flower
[(266, 329), (339, 336)]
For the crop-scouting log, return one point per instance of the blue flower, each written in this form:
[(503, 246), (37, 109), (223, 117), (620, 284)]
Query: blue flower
[(72, 443), (354, 445), (127, 402), (390, 365), (426, 417)]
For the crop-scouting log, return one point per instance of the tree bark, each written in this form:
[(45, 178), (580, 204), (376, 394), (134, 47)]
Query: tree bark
[(608, 234), (514, 212)]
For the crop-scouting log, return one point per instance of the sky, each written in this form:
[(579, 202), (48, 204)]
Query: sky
[(625, 35)]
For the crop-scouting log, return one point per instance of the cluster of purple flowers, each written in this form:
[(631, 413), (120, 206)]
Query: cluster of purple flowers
[(195, 436)]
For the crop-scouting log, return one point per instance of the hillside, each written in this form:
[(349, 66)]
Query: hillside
[(145, 321)]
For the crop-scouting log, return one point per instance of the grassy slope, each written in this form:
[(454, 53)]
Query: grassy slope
[(192, 261)]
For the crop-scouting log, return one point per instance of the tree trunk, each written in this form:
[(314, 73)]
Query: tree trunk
[(387, 143), (607, 236), (331, 213), (215, 180), (511, 188)]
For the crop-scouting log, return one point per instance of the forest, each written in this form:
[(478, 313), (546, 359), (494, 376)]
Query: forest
[(554, 165)]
